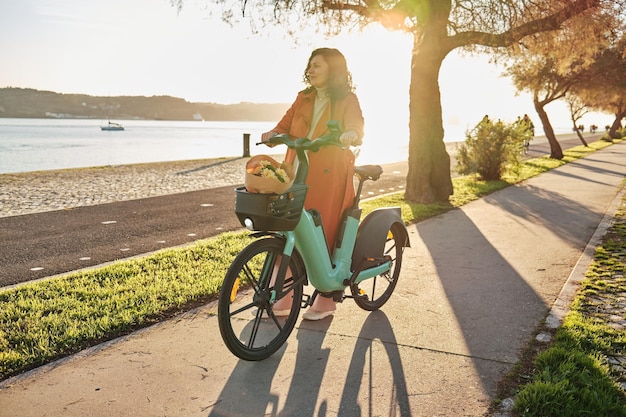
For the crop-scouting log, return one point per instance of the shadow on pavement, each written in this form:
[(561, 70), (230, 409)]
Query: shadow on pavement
[(501, 285), (376, 328), (248, 391), (494, 307)]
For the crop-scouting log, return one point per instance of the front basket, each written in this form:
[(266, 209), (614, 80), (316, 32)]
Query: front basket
[(270, 211)]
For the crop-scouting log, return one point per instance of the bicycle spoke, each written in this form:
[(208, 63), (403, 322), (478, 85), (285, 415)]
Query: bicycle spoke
[(251, 278), (255, 328), (392, 248), (258, 284), (241, 309), (276, 321)]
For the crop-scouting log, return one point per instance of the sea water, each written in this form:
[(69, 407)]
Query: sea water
[(47, 144)]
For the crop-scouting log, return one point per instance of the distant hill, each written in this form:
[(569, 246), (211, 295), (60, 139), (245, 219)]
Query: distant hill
[(30, 103)]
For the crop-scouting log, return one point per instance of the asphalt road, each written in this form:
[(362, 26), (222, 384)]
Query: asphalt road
[(40, 245)]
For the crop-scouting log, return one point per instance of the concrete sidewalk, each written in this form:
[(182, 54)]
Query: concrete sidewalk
[(475, 284)]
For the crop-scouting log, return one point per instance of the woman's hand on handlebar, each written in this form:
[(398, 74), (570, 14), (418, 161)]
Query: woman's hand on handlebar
[(265, 137), (350, 138)]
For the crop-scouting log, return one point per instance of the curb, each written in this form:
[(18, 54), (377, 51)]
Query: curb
[(560, 308)]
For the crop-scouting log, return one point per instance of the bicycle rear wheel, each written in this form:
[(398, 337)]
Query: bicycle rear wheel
[(247, 322), (371, 294)]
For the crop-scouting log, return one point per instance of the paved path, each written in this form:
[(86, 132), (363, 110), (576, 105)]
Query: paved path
[(475, 284)]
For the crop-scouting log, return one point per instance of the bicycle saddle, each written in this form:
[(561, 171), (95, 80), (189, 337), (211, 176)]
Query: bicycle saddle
[(369, 172)]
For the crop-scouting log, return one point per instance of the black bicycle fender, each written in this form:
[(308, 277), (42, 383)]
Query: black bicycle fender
[(372, 234)]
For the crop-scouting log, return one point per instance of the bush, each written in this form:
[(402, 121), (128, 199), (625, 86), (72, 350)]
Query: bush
[(492, 147), (619, 134)]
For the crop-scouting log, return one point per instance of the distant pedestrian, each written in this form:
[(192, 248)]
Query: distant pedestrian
[(529, 124), (529, 132)]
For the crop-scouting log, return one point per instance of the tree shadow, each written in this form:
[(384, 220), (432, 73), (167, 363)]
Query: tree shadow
[(496, 272), (207, 166), (577, 177), (599, 161), (585, 168), (561, 215), (494, 307)]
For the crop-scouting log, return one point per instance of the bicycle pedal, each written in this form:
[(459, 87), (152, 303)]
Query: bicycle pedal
[(306, 301), (362, 295)]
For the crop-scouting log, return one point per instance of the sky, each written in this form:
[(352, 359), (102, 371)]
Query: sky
[(145, 47)]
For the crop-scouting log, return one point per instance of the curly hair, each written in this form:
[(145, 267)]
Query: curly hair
[(339, 78)]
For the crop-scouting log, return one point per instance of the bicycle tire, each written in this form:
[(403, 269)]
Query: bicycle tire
[(246, 319), (367, 293)]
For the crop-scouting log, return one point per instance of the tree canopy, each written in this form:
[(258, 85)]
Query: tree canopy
[(438, 27), (604, 86), (564, 64)]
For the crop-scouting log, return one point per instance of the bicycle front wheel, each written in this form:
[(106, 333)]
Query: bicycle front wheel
[(248, 324), (372, 293)]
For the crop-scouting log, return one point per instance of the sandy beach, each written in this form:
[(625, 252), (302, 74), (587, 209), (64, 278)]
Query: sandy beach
[(40, 191)]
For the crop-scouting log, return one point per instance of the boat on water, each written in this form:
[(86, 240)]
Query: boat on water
[(112, 126)]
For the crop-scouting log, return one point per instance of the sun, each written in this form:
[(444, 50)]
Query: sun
[(380, 63)]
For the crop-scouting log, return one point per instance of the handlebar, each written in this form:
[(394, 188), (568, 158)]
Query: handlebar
[(306, 144), (300, 145)]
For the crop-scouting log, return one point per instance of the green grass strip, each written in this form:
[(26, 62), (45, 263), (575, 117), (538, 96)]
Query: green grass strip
[(46, 320), (578, 374)]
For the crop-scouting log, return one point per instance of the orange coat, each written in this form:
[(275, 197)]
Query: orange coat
[(331, 169)]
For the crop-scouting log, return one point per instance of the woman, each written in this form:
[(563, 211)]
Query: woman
[(328, 96)]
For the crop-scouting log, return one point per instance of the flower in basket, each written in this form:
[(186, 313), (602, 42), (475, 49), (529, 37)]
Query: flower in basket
[(267, 176), (267, 170)]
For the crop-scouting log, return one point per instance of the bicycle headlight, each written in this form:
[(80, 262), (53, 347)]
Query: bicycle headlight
[(248, 223)]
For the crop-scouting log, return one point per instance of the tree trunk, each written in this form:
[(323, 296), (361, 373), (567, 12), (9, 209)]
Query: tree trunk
[(555, 148), (579, 133), (617, 124), (428, 178)]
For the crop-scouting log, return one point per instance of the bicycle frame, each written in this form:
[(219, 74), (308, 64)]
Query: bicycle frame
[(326, 272)]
